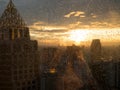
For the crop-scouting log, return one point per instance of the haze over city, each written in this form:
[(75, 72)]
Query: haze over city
[(59, 45), (63, 22)]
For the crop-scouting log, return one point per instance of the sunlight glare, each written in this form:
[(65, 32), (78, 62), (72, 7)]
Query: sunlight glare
[(78, 36)]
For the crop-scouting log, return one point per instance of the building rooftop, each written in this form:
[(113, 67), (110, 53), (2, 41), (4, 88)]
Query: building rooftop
[(11, 17)]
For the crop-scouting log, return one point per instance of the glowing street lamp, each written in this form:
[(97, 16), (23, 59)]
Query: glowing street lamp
[(52, 70)]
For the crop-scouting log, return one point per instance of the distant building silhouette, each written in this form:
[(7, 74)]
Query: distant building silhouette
[(95, 50), (18, 54), (69, 68)]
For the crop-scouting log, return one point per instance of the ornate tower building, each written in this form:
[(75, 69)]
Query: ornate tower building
[(18, 54)]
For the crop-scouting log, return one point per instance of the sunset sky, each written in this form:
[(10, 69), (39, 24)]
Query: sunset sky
[(64, 22)]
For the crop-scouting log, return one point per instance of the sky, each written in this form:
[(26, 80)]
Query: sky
[(64, 22)]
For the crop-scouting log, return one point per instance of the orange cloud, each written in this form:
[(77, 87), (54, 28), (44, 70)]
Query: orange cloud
[(43, 26), (82, 16), (70, 14), (78, 13), (74, 25), (93, 15), (75, 14)]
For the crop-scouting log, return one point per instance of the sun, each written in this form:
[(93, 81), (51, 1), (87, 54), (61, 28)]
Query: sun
[(78, 36)]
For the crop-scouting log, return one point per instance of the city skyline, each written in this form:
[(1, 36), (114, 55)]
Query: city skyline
[(70, 22), (24, 65)]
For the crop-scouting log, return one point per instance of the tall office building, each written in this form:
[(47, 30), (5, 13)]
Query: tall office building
[(18, 54), (95, 50)]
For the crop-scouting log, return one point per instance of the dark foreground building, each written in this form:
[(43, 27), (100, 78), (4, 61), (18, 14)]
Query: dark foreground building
[(18, 54), (95, 50)]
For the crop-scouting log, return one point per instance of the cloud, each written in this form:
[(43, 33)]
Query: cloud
[(75, 14), (82, 16), (51, 20), (60, 11), (93, 15), (50, 31), (78, 13), (74, 25), (49, 34), (70, 14), (49, 37), (114, 17), (44, 26)]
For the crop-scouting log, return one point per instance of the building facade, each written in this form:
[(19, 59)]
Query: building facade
[(18, 53), (95, 50)]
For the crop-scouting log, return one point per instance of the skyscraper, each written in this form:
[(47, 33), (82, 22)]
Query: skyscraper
[(18, 53), (95, 50)]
